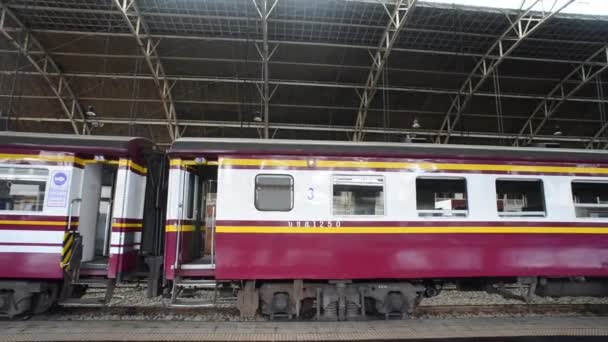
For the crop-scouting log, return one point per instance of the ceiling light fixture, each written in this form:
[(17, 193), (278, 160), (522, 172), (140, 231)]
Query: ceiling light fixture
[(557, 131), (256, 117), (416, 124), (90, 111)]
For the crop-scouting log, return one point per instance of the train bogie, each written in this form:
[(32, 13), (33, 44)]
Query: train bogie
[(335, 300), (36, 297)]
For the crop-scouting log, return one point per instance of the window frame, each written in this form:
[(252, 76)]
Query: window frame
[(525, 214), (421, 212), (331, 198), (575, 205), (31, 178), (255, 185)]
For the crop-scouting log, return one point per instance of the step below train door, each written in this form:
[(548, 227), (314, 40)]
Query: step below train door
[(199, 212)]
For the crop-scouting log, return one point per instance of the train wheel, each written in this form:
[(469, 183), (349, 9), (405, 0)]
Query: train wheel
[(44, 300), (308, 308), (248, 300)]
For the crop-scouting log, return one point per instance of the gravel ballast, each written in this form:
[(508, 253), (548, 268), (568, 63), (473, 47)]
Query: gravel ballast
[(131, 303)]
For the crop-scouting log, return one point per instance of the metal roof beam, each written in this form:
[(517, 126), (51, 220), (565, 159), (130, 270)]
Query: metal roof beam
[(123, 120), (296, 83), (24, 41), (306, 43), (400, 15), (204, 17), (279, 62), (148, 47), (562, 92), (519, 29), (596, 136), (284, 63), (602, 116), (515, 116)]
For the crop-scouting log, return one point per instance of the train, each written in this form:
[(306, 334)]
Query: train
[(294, 229)]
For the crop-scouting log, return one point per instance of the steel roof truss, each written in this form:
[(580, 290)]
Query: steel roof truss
[(562, 92), (264, 12), (148, 47), (397, 19), (25, 42), (519, 29)]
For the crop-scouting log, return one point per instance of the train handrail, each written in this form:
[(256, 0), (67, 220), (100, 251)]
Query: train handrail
[(178, 224), (107, 227), (70, 208), (213, 236)]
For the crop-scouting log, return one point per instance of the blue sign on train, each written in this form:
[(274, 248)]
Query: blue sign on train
[(60, 178), (58, 190)]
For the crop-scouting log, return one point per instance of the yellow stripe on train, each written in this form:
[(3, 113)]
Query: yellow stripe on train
[(38, 157), (36, 223), (411, 230), (423, 166), (127, 225), (182, 228), (131, 164)]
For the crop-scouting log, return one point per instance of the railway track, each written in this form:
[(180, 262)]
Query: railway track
[(231, 314), (512, 309)]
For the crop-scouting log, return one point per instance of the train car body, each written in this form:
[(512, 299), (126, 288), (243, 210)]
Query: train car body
[(71, 212), (379, 221)]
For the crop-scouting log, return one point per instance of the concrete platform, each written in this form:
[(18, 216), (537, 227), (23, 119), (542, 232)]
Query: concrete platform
[(301, 331)]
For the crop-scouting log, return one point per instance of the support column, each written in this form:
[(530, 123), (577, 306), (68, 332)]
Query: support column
[(264, 10)]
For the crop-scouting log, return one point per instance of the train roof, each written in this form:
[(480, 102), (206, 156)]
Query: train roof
[(190, 147), (89, 144)]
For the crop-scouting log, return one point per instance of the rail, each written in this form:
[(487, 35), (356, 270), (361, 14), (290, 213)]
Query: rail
[(221, 312)]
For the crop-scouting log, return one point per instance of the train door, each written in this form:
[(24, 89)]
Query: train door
[(208, 205), (199, 196), (95, 220), (190, 264)]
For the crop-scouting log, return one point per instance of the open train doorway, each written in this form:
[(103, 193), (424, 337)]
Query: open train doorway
[(199, 204), (190, 253), (95, 216)]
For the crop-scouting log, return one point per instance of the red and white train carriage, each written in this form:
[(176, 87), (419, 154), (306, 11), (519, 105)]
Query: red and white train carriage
[(373, 227), (330, 229), (72, 214)]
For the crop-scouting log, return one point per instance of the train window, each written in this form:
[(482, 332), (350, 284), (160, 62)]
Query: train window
[(274, 192), (441, 197), (358, 195), (22, 189), (191, 190), (590, 198), (520, 197)]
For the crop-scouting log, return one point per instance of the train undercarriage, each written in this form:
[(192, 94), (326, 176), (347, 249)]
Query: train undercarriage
[(17, 297), (340, 300), (333, 300), (353, 300)]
